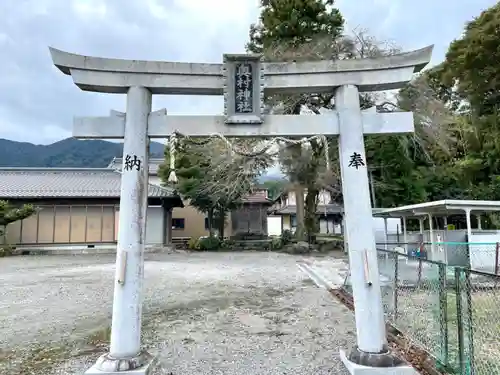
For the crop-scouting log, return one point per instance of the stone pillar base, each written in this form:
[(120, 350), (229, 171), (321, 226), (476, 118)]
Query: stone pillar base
[(142, 364), (362, 363)]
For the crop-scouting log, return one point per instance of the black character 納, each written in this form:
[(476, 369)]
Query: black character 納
[(132, 162)]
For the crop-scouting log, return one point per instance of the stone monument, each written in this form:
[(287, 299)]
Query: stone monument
[(243, 80)]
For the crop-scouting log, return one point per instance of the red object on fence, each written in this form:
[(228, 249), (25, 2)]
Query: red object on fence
[(497, 250)]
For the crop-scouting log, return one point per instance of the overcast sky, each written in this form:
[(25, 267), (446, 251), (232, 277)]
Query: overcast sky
[(38, 102)]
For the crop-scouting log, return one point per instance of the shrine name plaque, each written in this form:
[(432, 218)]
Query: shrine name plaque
[(243, 89)]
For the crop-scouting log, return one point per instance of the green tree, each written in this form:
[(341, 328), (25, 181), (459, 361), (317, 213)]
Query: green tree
[(471, 71), (10, 214), (471, 67), (294, 22), (275, 187), (468, 81), (190, 168), (416, 167), (211, 177)]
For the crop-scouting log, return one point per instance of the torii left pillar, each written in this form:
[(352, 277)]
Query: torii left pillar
[(125, 352)]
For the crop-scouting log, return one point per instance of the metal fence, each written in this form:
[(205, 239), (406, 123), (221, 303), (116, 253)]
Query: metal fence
[(451, 312)]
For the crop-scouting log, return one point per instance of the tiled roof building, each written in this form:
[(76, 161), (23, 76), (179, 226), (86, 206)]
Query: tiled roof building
[(66, 182), (78, 207)]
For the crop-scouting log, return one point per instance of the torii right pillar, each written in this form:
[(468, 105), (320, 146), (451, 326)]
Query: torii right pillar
[(371, 354), (371, 349)]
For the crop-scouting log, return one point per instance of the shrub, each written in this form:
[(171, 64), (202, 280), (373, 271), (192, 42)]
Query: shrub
[(286, 237), (276, 243), (5, 251), (228, 244), (300, 247), (193, 244), (209, 243)]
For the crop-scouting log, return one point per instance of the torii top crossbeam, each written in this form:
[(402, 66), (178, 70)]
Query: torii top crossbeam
[(108, 75)]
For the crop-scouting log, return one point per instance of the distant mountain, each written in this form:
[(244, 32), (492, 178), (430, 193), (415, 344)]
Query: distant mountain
[(69, 152)]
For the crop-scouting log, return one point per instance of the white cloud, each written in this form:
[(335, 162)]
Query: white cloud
[(89, 9)]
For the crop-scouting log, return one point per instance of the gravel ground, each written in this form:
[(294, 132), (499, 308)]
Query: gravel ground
[(205, 313)]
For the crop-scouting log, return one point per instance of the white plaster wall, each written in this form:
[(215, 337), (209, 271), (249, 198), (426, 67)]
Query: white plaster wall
[(323, 197), (274, 225), (154, 225), (483, 251), (323, 226)]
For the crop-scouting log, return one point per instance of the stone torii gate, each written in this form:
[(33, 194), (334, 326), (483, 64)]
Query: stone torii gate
[(243, 80)]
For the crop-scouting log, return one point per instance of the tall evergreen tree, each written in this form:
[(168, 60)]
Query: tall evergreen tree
[(290, 30), (295, 23)]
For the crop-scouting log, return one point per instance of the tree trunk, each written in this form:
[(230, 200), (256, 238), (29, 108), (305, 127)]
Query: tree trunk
[(311, 221), (210, 215), (300, 232), (221, 222)]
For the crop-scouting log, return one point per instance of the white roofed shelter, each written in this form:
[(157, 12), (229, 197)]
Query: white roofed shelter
[(473, 236), (244, 80)]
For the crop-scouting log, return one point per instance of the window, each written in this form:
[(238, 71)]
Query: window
[(293, 221), (178, 223), (206, 223)]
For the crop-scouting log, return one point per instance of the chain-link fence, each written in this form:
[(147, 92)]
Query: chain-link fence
[(452, 312), (478, 313), (484, 257), (414, 298)]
